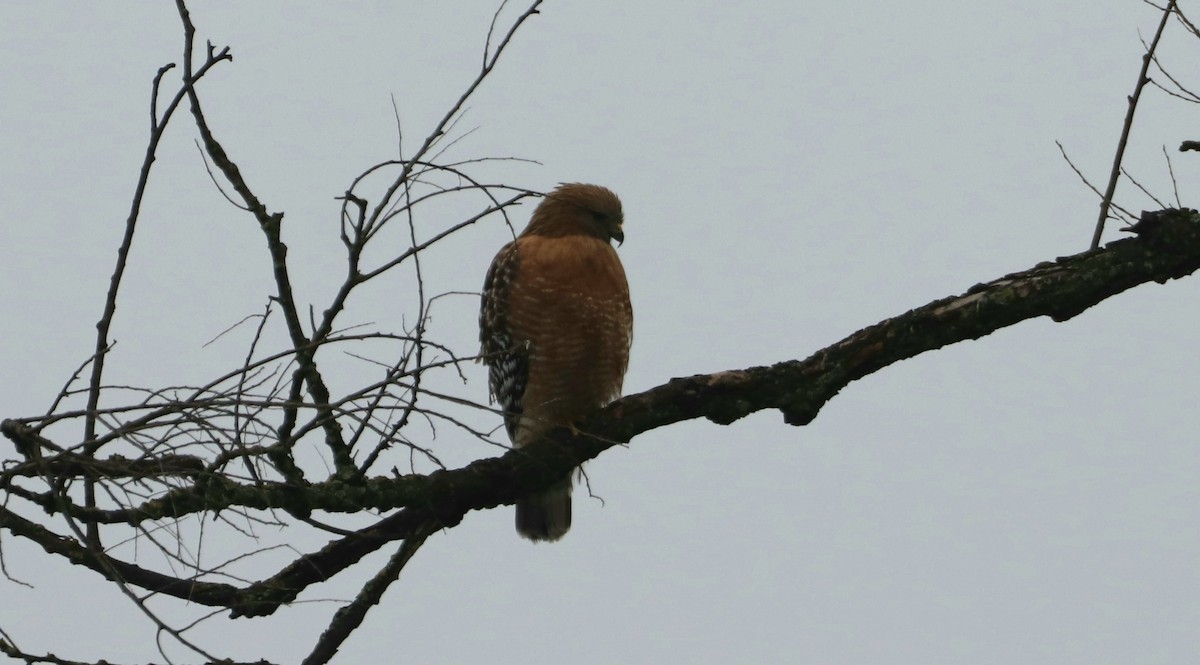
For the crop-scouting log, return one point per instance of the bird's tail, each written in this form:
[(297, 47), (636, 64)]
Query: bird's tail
[(546, 516)]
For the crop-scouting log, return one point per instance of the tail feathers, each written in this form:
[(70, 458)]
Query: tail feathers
[(546, 516)]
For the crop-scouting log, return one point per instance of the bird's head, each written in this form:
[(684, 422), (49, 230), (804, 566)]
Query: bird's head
[(579, 209)]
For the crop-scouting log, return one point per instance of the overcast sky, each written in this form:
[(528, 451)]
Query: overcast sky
[(791, 172)]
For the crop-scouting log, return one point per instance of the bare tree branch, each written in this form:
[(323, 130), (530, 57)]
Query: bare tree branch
[(350, 617), (1143, 79), (1167, 247), (229, 454)]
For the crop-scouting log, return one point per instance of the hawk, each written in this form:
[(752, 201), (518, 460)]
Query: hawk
[(555, 326)]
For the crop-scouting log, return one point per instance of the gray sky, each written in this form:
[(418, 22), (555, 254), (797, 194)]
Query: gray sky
[(791, 172)]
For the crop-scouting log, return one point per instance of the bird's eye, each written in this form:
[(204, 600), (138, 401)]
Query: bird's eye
[(599, 217)]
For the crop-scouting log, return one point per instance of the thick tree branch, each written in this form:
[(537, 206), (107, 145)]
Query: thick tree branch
[(9, 649), (207, 593), (1167, 247)]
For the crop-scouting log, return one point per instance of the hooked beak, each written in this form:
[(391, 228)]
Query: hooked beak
[(618, 234)]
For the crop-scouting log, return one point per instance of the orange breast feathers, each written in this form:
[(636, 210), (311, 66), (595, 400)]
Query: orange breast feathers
[(568, 303)]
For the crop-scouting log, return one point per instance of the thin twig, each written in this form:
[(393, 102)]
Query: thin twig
[(1174, 182), (1084, 179), (1160, 204), (1184, 93)]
